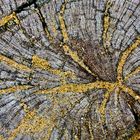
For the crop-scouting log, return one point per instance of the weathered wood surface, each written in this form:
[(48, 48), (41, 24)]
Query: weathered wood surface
[(69, 69)]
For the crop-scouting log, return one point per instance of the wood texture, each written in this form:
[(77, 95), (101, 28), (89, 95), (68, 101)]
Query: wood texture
[(69, 69)]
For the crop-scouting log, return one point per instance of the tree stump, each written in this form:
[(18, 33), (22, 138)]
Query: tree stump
[(69, 70)]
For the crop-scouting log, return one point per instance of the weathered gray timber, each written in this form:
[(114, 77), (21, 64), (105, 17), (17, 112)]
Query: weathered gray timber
[(69, 69)]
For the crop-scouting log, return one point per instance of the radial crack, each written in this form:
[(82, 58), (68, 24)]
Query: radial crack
[(124, 57), (133, 73), (14, 64), (14, 89), (106, 25)]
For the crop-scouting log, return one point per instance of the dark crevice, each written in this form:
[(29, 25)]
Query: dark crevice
[(24, 5), (137, 119), (41, 17)]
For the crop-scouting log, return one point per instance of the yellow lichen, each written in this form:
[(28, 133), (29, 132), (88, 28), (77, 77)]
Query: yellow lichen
[(66, 48), (80, 88), (1, 137), (8, 18), (33, 123), (90, 130), (124, 57), (62, 22), (106, 25), (39, 62), (48, 34), (134, 72), (53, 26), (14, 89), (14, 64), (104, 102), (43, 64), (76, 58), (130, 92), (76, 137), (136, 135)]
